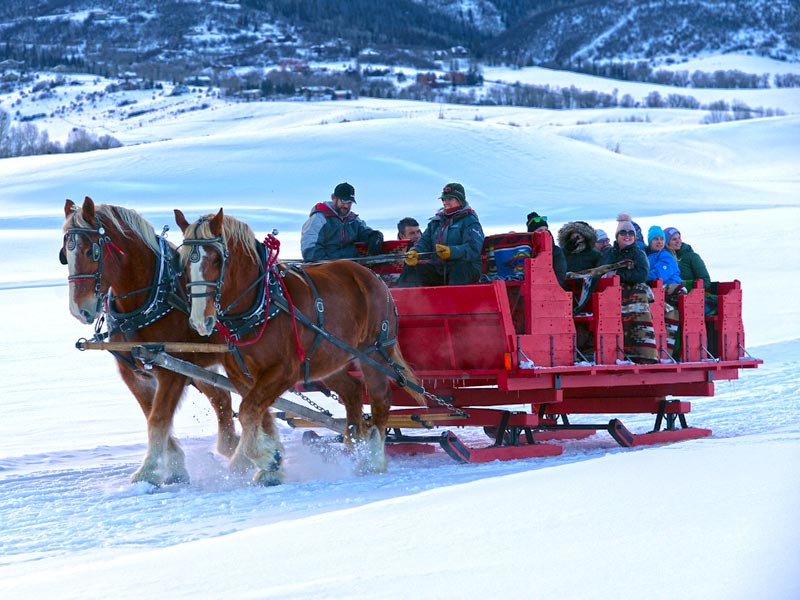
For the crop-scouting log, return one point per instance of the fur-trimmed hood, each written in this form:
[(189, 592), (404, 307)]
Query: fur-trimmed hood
[(582, 227)]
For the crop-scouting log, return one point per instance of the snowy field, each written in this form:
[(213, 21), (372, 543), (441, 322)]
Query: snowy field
[(711, 518)]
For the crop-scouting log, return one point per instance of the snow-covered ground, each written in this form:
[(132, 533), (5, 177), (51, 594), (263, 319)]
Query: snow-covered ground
[(711, 518)]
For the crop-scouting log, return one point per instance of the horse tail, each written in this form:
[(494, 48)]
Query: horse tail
[(408, 374)]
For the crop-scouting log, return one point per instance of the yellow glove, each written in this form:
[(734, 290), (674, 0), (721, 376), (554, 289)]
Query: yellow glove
[(443, 251), (412, 258)]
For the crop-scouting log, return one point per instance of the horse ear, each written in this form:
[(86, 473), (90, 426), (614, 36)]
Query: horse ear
[(69, 208), (180, 220), (88, 211), (216, 223)]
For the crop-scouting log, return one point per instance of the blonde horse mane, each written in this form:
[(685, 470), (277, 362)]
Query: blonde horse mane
[(127, 221), (233, 232)]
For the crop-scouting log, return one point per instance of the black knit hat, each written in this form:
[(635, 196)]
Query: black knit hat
[(535, 221)]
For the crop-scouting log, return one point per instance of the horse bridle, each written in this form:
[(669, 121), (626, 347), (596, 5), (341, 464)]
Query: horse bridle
[(218, 244), (240, 323), (100, 248)]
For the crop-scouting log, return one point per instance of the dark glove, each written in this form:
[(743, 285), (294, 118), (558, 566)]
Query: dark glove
[(571, 245), (628, 263), (375, 243), (443, 251)]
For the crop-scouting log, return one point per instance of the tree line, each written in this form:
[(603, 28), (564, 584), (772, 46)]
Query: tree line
[(25, 139)]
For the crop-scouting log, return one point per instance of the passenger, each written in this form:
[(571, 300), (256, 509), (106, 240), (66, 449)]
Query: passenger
[(637, 321), (602, 240), (454, 237), (539, 223), (408, 229), (664, 266), (691, 265), (578, 239), (332, 229)]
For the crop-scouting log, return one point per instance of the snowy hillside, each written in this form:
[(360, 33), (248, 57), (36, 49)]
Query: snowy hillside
[(713, 518)]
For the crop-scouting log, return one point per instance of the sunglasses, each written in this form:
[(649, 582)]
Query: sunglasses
[(626, 232), (538, 221)]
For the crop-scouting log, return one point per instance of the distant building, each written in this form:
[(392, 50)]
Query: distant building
[(11, 65)]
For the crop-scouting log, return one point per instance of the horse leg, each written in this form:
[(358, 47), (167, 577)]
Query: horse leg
[(143, 388), (162, 447), (260, 445), (350, 391), (227, 438), (379, 390)]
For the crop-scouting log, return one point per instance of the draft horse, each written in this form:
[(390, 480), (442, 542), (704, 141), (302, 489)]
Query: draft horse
[(120, 270), (322, 320)]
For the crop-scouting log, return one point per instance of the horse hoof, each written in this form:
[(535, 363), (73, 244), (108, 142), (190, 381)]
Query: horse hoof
[(371, 454), (266, 478), (180, 477), (227, 447), (146, 476), (239, 464)]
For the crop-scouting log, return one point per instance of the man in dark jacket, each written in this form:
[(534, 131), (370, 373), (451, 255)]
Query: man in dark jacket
[(454, 237), (332, 229), (536, 223)]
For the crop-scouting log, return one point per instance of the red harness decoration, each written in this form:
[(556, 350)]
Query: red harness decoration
[(273, 246), (112, 246)]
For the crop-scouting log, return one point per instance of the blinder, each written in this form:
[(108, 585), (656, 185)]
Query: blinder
[(180, 259), (71, 239), (218, 244)]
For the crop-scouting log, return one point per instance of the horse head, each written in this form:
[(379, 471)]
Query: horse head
[(97, 250), (205, 251), (215, 247), (81, 252)]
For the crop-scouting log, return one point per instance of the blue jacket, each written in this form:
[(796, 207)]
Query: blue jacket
[(327, 236), (664, 266), (460, 230)]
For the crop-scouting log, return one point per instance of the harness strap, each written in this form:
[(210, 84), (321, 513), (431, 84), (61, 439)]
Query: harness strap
[(395, 372), (320, 306), (161, 299)]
